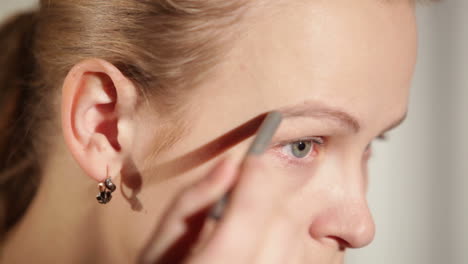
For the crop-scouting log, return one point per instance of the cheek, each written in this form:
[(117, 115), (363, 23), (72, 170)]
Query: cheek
[(304, 205), (293, 174), (306, 199)]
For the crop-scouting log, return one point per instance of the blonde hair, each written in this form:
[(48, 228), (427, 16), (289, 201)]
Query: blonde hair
[(163, 46)]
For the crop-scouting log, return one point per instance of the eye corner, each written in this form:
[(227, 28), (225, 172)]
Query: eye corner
[(383, 137)]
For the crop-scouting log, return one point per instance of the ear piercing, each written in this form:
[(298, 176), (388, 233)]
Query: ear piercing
[(106, 189)]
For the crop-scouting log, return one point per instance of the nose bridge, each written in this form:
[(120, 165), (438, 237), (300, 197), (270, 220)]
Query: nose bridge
[(346, 217), (353, 175)]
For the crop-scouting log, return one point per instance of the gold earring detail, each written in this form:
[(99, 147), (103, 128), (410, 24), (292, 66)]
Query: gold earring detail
[(106, 189)]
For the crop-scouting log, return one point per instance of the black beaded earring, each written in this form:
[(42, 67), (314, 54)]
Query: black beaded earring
[(106, 189)]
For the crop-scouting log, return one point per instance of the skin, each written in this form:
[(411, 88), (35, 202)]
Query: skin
[(324, 57)]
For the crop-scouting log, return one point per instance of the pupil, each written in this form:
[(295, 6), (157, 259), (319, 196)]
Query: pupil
[(301, 146)]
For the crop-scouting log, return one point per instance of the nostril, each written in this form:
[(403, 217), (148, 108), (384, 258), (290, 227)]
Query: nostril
[(343, 244)]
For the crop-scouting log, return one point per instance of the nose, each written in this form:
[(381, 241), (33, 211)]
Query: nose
[(345, 221)]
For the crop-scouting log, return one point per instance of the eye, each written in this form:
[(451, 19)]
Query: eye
[(301, 148)]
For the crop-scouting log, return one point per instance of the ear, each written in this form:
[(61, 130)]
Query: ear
[(98, 106)]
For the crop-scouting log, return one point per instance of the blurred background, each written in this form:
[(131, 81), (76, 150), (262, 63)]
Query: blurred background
[(419, 178)]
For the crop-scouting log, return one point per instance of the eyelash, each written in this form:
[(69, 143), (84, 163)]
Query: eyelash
[(368, 151), (316, 144)]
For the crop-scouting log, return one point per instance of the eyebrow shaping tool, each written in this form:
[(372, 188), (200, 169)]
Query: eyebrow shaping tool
[(262, 140)]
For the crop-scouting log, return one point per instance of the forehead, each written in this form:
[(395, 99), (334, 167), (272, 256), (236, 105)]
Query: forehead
[(355, 55)]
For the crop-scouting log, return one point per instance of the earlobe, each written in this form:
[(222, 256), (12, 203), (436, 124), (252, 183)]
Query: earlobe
[(98, 103)]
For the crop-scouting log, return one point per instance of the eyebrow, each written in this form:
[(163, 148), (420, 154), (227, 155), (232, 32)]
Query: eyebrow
[(320, 110)]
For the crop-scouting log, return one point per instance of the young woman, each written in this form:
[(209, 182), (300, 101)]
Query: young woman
[(161, 99)]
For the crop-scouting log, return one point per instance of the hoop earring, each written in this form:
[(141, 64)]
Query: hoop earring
[(106, 189)]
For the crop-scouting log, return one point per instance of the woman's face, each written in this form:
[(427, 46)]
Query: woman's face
[(340, 71)]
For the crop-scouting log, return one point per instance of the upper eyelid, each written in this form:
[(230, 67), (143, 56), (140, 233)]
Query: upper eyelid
[(310, 138)]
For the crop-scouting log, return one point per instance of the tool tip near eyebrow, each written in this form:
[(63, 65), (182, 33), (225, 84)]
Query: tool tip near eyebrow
[(265, 133)]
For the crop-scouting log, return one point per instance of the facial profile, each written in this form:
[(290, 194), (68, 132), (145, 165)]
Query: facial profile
[(339, 72), (341, 78)]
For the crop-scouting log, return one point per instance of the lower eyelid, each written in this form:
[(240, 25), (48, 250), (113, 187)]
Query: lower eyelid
[(306, 161)]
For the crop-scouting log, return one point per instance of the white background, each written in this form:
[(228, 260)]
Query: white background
[(419, 180)]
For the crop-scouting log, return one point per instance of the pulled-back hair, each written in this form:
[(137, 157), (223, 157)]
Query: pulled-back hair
[(163, 46)]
